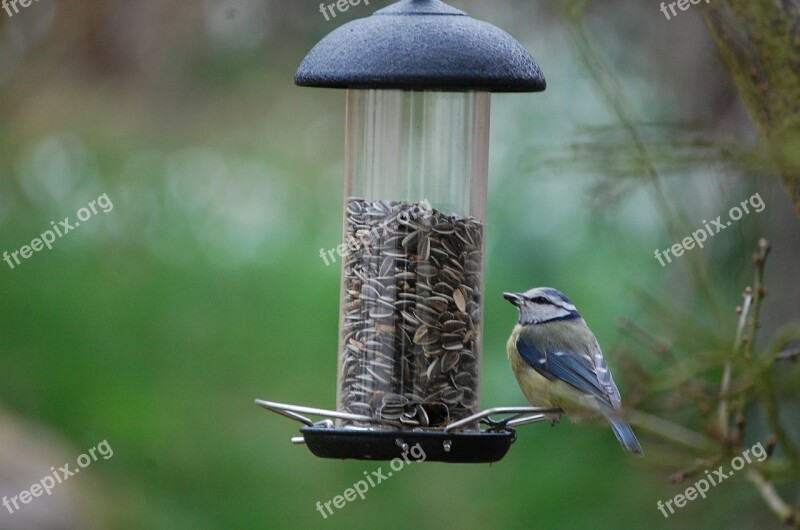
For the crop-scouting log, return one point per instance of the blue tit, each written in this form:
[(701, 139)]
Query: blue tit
[(558, 363)]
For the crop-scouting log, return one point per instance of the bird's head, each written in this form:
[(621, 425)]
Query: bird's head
[(542, 304)]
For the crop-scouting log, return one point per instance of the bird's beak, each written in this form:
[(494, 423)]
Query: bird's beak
[(514, 298)]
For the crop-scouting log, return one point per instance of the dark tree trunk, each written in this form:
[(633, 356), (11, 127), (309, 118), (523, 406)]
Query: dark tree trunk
[(759, 42)]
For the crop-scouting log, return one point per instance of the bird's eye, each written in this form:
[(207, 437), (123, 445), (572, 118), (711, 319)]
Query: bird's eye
[(540, 300)]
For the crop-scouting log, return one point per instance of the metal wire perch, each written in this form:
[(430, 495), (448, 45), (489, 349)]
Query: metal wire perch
[(457, 442)]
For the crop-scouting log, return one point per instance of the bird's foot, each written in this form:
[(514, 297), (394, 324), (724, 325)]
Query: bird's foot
[(555, 420), (497, 425)]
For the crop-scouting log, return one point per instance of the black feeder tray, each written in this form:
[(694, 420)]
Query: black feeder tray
[(452, 444)]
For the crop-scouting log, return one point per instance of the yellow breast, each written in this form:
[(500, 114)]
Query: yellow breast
[(540, 391), (537, 389)]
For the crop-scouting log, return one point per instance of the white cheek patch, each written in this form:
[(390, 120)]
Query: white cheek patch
[(566, 307)]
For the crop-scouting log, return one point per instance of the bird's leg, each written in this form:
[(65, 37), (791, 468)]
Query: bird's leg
[(555, 419)]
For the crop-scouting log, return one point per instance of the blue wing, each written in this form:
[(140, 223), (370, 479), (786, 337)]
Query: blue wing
[(576, 369)]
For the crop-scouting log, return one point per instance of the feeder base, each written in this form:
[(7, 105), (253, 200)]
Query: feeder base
[(453, 447)]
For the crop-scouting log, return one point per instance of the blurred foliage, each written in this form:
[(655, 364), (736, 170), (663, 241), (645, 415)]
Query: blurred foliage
[(154, 326), (703, 385)]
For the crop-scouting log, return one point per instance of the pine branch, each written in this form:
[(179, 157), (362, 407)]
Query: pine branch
[(743, 344), (786, 513)]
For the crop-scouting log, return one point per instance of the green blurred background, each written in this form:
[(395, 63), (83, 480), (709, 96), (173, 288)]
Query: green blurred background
[(155, 325)]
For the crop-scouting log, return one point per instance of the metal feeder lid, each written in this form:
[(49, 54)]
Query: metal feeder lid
[(421, 45)]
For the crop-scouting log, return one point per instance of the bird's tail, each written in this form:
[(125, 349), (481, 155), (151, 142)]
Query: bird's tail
[(625, 435)]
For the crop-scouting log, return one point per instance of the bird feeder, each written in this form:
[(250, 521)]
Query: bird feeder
[(418, 77)]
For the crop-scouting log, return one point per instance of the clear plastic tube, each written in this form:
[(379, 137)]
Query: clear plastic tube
[(413, 274)]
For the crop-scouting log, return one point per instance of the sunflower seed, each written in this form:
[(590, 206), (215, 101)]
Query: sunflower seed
[(454, 326), (460, 299), (449, 361)]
